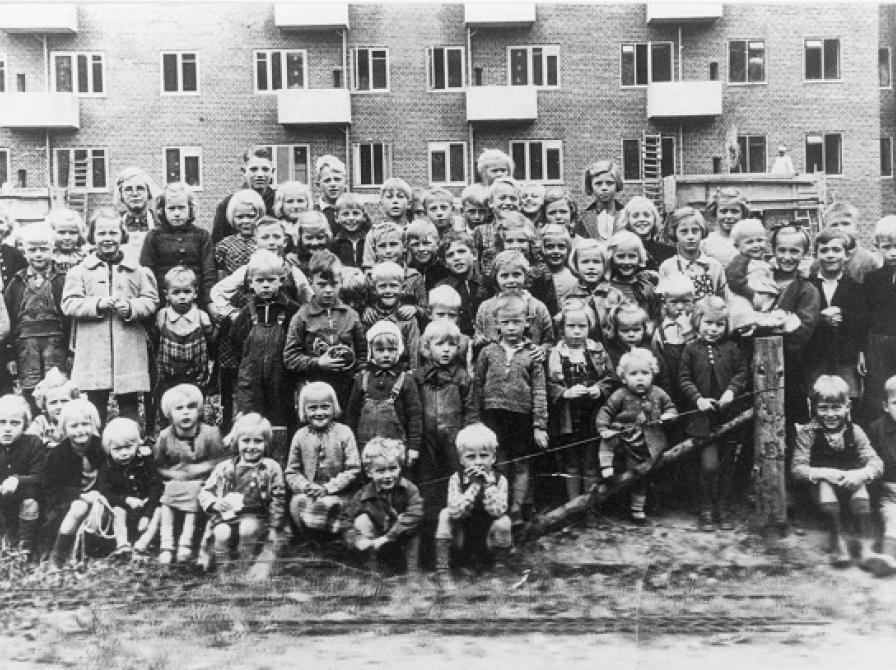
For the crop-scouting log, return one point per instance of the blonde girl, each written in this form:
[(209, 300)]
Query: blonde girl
[(293, 198), (641, 217), (627, 272), (71, 237), (727, 208), (555, 247), (588, 263), (627, 327), (53, 392)]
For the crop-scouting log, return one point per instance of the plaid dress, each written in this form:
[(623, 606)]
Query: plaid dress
[(182, 358)]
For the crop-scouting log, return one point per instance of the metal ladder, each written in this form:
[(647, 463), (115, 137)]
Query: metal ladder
[(651, 167), (76, 196)]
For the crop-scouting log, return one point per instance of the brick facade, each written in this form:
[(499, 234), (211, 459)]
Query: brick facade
[(590, 112)]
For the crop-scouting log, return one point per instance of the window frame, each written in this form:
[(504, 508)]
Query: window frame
[(89, 188), (547, 50), (546, 145), (622, 165), (277, 176), (746, 155), (889, 51), (889, 140), (649, 44), (269, 72), (824, 156), (4, 80), (445, 147), (73, 55), (430, 69), (746, 51), (185, 152), (355, 62), (823, 79), (180, 72), (7, 163), (387, 150)]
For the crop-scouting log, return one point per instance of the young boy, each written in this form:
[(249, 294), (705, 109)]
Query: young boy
[(674, 331), (439, 205), (474, 202), (845, 216), (445, 304), (458, 254), (325, 341), (22, 463), (388, 246), (838, 342), (531, 199), (387, 280), (503, 196), (384, 517), (880, 306), (421, 239), (749, 237), (330, 174), (264, 384), (475, 517), (511, 394), (258, 173), (395, 199), (33, 299), (882, 434), (350, 240)]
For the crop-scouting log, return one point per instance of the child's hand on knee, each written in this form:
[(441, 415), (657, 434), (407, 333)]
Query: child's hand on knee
[(852, 480)]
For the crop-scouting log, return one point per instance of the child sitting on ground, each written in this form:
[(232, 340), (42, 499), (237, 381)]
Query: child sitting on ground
[(132, 486), (629, 424), (185, 452), (50, 396), (22, 464), (882, 434), (383, 518), (835, 457), (245, 496), (474, 521), (323, 463)]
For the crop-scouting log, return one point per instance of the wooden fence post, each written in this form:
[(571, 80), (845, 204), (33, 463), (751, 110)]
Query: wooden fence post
[(769, 466)]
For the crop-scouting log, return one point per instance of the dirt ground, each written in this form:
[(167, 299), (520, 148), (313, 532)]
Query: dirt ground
[(663, 596)]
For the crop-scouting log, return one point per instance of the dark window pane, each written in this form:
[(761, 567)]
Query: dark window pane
[(456, 162), (737, 67), (553, 71), (439, 169), (455, 68), (518, 154), (742, 155), (191, 170), (667, 166), (172, 165), (553, 165), (169, 72), (63, 167), (886, 158), (438, 68), (536, 166), (756, 151), (378, 163), (537, 66), (281, 163), (362, 69), (519, 72), (814, 154), (832, 154), (641, 64), (2, 76), (190, 73), (64, 74), (756, 61), (628, 65), (379, 70), (295, 70), (813, 59), (883, 68), (832, 59), (261, 72), (661, 62), (97, 74), (4, 172), (98, 171), (276, 71), (300, 159), (631, 159), (82, 74), (366, 166)]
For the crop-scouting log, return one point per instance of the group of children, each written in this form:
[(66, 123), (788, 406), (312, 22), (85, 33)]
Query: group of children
[(421, 362)]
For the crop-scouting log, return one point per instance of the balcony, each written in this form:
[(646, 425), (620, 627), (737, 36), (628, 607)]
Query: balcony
[(314, 107), (311, 15), (39, 17), (51, 111), (684, 99), (499, 14), (683, 12), (502, 103)]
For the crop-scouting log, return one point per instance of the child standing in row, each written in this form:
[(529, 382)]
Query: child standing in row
[(687, 229), (641, 217), (458, 254), (71, 244)]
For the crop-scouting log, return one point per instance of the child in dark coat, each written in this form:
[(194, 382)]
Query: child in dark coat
[(21, 462)]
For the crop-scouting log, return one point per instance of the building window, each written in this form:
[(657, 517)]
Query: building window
[(371, 69), (886, 156), (884, 72), (276, 70), (824, 153), (645, 62), (746, 62), (82, 73), (184, 164), (534, 66), (82, 168), (633, 170), (291, 163), (667, 165), (180, 72), (4, 166), (446, 68), (822, 60), (2, 73), (537, 160), (752, 153), (447, 163), (372, 162)]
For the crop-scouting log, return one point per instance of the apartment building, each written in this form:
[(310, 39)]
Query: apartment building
[(418, 90)]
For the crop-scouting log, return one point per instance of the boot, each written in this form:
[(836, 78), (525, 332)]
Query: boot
[(443, 569), (839, 555), (706, 523), (636, 509), (27, 534), (62, 550)]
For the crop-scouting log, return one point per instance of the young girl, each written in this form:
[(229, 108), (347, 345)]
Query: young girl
[(243, 211), (70, 477), (560, 208), (673, 332), (71, 242), (531, 200), (834, 456), (516, 233), (727, 208), (626, 272), (108, 296), (588, 262), (293, 198), (22, 466), (51, 395), (245, 496), (580, 378), (503, 197), (313, 235), (600, 220), (686, 228), (711, 374), (329, 174), (186, 452), (323, 464), (556, 247), (627, 327), (641, 217), (630, 423), (493, 164)]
